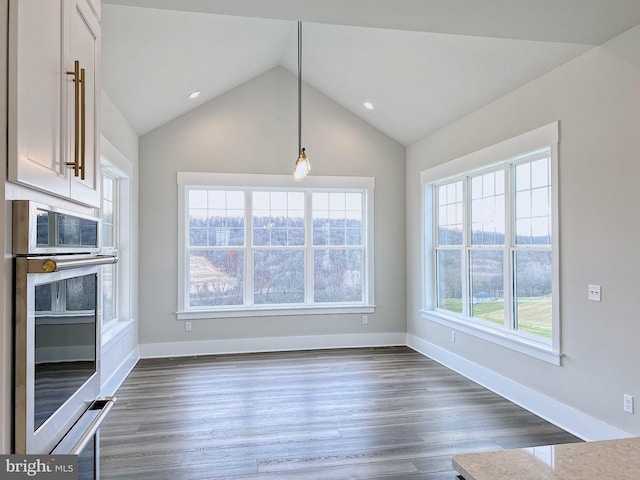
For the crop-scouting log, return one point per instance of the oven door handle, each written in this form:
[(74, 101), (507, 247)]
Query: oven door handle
[(85, 428), (103, 407), (50, 265)]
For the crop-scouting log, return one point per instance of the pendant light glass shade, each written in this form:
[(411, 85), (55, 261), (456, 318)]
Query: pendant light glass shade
[(303, 166)]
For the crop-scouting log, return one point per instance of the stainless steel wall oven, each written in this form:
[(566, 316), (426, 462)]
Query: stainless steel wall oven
[(57, 330)]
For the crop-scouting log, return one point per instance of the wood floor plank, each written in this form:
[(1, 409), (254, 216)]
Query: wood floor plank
[(369, 413)]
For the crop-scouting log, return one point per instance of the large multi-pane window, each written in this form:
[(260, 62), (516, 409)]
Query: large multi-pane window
[(261, 247), (493, 245)]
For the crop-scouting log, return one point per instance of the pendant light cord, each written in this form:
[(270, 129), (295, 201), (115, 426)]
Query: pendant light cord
[(299, 87)]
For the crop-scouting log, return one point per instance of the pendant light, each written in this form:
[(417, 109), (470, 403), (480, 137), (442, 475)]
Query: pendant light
[(302, 167)]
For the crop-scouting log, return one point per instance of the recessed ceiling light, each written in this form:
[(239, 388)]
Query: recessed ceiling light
[(369, 106), (194, 94)]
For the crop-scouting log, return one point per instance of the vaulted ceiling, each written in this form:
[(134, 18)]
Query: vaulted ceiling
[(422, 63)]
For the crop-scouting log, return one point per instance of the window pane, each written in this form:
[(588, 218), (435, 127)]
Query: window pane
[(540, 202), (108, 211), (449, 273), (523, 204), (450, 214), (540, 173), (197, 199), (216, 218), (108, 293), (533, 203), (278, 219), (533, 292), (278, 276), (487, 285), (216, 277), (354, 202), (338, 219), (337, 202), (488, 209), (217, 199), (235, 200), (337, 275)]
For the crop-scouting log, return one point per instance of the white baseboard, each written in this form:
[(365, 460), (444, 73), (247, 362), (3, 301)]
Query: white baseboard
[(574, 421), (110, 387), (270, 344)]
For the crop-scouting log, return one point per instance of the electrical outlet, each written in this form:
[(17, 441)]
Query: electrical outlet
[(453, 336), (628, 403), (187, 326), (594, 293), (365, 320)]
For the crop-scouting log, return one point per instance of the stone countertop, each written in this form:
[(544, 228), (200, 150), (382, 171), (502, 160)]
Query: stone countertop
[(615, 459)]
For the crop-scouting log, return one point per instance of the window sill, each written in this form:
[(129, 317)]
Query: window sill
[(274, 312), (523, 345)]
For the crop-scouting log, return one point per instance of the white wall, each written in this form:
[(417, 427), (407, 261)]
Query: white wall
[(253, 129), (117, 130), (596, 97)]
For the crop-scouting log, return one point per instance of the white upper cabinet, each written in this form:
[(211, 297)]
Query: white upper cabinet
[(35, 95), (54, 54), (95, 6)]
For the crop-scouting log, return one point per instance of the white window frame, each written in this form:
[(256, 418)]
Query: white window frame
[(117, 165), (276, 183), (504, 153), (108, 171)]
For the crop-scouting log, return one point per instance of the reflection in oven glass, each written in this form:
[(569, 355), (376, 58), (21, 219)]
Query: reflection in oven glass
[(74, 231), (42, 228), (87, 461), (56, 229), (65, 337)]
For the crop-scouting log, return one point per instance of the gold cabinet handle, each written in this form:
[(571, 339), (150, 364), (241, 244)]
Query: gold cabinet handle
[(83, 125), (76, 80)]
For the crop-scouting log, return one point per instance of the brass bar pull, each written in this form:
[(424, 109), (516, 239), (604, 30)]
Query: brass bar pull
[(76, 80), (50, 265), (83, 125)]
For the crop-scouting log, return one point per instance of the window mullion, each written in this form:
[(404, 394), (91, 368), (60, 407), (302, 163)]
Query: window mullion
[(431, 276), (309, 249), (509, 242), (248, 250), (466, 243)]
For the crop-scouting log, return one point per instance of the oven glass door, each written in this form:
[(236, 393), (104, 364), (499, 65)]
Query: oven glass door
[(65, 341), (57, 352)]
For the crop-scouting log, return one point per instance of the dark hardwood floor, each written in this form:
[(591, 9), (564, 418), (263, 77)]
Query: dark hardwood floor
[(369, 413)]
